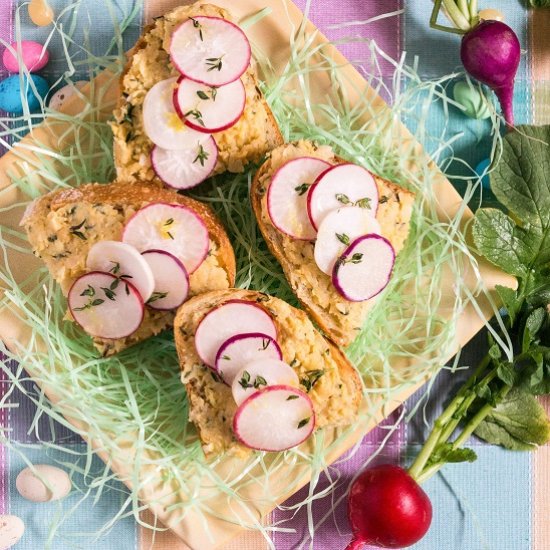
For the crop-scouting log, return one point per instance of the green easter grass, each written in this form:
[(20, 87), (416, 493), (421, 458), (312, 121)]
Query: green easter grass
[(139, 391)]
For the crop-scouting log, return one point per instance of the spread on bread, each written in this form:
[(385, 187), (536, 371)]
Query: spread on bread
[(334, 227), (190, 105), (127, 256), (258, 374)]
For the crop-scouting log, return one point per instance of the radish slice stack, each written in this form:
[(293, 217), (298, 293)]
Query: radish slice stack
[(109, 301), (181, 113), (335, 206), (262, 384)]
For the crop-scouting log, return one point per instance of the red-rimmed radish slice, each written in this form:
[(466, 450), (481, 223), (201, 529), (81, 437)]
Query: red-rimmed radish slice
[(364, 269), (171, 280), (210, 50), (124, 261), (287, 196), (209, 109), (342, 185), (231, 318), (162, 124), (274, 419), (173, 228), (105, 306), (185, 168), (259, 374), (338, 230), (241, 349)]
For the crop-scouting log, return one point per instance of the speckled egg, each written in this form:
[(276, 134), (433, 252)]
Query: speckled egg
[(33, 55), (11, 530), (32, 486), (63, 94), (10, 93)]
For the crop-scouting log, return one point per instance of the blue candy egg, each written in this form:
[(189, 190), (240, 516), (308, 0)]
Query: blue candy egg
[(10, 93), (480, 169)]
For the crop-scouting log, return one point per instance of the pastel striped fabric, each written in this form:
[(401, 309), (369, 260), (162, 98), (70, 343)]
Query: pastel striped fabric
[(501, 502)]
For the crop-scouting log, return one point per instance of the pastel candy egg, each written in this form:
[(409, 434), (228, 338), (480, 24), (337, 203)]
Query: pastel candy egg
[(11, 530), (474, 102), (33, 55), (63, 94), (48, 483), (480, 171), (10, 93)]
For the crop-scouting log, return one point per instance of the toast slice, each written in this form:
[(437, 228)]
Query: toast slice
[(248, 141), (340, 319), (336, 394), (50, 221)]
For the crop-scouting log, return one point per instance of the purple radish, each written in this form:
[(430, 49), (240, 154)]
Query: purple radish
[(287, 196), (185, 168), (210, 50), (490, 52), (274, 419), (171, 280), (259, 374), (236, 352), (105, 306), (227, 320), (338, 230), (173, 228), (342, 185), (209, 109), (364, 269), (124, 261)]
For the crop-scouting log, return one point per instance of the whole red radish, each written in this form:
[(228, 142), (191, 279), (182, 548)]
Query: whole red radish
[(490, 52), (387, 508)]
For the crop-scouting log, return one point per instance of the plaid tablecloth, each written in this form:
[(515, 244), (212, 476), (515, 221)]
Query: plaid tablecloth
[(501, 502)]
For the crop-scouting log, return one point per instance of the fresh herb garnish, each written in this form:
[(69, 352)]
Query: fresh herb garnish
[(245, 379), (89, 291), (197, 25), (303, 422), (90, 304), (344, 199), (166, 224), (115, 269), (109, 293), (343, 238), (226, 358), (75, 230), (196, 114), (291, 397), (355, 258), (245, 382), (497, 402), (311, 378), (156, 296), (202, 155), (213, 93), (214, 63), (302, 188), (361, 203), (265, 344)]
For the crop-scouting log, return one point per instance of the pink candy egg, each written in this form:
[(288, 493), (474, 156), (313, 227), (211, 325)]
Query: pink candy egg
[(34, 55)]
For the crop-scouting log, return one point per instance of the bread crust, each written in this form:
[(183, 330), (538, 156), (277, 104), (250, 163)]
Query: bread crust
[(46, 214), (334, 323), (211, 403), (243, 155)]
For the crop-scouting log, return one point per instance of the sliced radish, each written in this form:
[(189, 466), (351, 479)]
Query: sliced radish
[(364, 269), (209, 109), (162, 124), (342, 185), (230, 319), (259, 374), (210, 50), (171, 280), (287, 196), (185, 168), (124, 261), (274, 419), (173, 228), (105, 306), (338, 230), (236, 352)]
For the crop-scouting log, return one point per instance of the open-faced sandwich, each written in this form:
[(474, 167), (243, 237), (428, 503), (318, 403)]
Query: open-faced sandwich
[(258, 374), (190, 106), (334, 227), (127, 256)]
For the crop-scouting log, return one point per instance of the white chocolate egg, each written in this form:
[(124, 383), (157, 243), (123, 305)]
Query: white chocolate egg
[(48, 483), (11, 530)]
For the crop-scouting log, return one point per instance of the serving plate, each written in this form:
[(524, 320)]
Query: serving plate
[(272, 36)]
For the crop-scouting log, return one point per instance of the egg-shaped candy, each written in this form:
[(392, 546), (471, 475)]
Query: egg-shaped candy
[(48, 483), (33, 55), (11, 530), (474, 102), (63, 94), (10, 93)]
